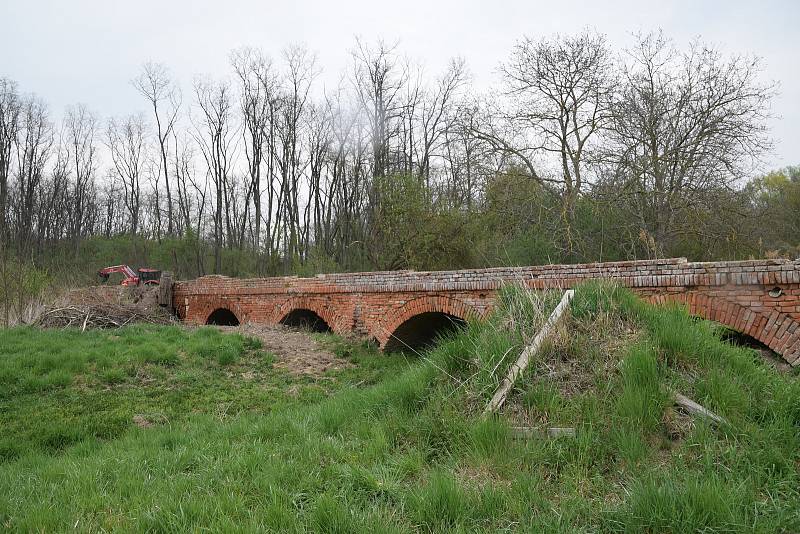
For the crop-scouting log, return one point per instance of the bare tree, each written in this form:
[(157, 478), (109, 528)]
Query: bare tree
[(215, 137), (184, 175), (438, 115), (378, 79), (9, 127), (685, 125), (319, 142), (468, 159), (81, 128), (491, 125), (155, 84), (561, 89), (127, 145), (33, 152), (348, 168), (391, 167), (260, 100), (53, 205), (291, 159)]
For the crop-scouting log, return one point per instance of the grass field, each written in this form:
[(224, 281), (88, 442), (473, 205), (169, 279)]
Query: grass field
[(166, 429)]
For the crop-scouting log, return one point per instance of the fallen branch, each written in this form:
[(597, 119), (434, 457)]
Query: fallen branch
[(522, 362), (522, 432), (696, 409)]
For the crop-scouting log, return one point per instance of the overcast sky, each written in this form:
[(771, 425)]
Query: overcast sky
[(70, 51)]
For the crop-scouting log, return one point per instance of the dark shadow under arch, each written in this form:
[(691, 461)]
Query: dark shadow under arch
[(223, 317), (766, 354), (306, 319), (774, 331), (422, 330), (739, 338)]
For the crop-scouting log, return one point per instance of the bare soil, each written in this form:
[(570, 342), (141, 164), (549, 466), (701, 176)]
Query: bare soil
[(774, 360), (296, 350)]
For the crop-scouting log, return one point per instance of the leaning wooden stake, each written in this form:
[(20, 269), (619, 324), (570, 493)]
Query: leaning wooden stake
[(524, 358)]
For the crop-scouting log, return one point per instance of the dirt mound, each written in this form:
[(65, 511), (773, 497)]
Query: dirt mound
[(296, 350), (105, 307)]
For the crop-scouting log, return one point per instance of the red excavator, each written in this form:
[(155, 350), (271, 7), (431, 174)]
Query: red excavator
[(149, 277)]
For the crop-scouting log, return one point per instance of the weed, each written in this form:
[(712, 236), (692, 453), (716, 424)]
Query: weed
[(114, 376)]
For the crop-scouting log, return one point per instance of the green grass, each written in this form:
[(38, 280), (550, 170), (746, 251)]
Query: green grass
[(58, 388), (396, 444)]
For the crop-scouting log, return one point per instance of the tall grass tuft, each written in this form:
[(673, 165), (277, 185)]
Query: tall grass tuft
[(679, 503), (440, 503), (331, 516)]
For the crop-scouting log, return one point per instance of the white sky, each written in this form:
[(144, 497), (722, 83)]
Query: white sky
[(70, 51)]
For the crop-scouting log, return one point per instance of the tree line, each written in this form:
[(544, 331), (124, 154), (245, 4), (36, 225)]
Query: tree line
[(579, 153)]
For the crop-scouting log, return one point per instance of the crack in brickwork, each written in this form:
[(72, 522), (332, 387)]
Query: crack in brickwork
[(760, 298)]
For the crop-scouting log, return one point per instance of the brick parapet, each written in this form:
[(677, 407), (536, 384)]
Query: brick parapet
[(649, 273)]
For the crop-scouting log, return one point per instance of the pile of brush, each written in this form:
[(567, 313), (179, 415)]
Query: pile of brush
[(98, 315), (103, 307)]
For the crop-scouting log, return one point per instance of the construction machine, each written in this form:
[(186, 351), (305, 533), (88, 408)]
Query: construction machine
[(130, 277)]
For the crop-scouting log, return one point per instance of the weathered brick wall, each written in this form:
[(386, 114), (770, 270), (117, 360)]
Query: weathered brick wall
[(760, 298)]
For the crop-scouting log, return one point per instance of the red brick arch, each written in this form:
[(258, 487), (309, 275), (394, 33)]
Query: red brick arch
[(211, 305), (757, 297), (774, 329), (383, 330), (315, 305)]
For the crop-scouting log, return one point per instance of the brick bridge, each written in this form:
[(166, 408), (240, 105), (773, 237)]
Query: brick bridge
[(759, 298)]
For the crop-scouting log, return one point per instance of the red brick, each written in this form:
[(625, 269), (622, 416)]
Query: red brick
[(733, 293)]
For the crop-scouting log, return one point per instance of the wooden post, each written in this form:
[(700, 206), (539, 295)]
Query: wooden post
[(522, 362), (165, 290)]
